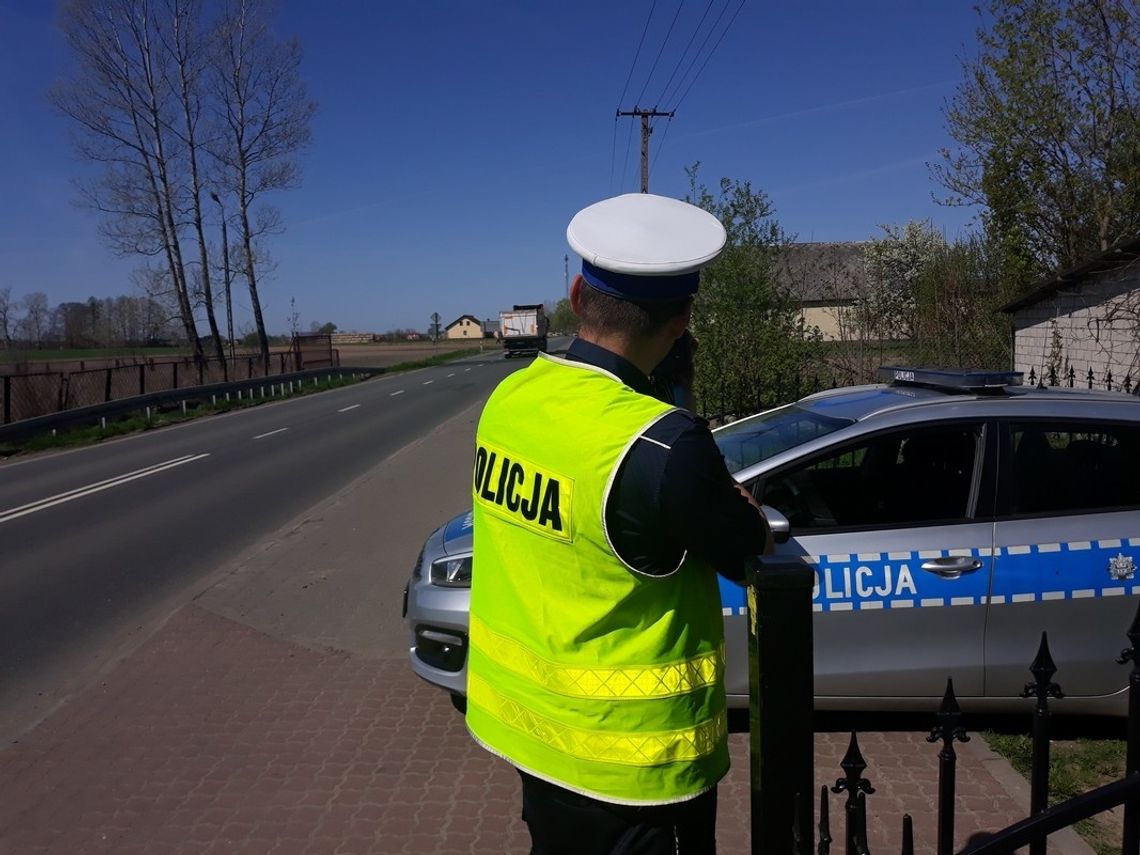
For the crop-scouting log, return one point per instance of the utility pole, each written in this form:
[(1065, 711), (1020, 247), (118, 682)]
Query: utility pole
[(566, 273), (645, 115)]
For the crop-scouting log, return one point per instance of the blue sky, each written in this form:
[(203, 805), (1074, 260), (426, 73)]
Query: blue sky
[(455, 140)]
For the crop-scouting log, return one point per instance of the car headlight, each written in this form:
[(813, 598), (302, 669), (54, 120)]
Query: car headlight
[(452, 572)]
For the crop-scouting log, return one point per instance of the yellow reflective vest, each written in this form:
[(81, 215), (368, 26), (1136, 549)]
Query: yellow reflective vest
[(581, 670)]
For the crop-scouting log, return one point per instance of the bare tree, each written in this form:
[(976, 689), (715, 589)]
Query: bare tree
[(37, 317), (188, 48), (265, 115), (6, 319), (123, 105)]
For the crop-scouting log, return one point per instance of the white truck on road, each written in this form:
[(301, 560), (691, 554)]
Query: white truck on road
[(523, 329)]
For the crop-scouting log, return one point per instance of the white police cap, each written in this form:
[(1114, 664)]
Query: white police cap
[(644, 247)]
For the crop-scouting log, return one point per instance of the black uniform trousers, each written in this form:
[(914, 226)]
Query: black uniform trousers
[(562, 822)]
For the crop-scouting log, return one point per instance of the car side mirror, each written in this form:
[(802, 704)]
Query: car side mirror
[(778, 523)]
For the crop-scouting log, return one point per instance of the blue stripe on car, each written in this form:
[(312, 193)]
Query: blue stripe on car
[(1025, 573)]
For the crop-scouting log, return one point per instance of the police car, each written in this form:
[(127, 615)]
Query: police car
[(949, 516)]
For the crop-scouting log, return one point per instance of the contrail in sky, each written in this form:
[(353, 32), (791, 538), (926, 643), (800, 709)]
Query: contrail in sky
[(857, 175), (825, 108)]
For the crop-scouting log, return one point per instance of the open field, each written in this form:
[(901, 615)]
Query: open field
[(384, 355), (376, 355)]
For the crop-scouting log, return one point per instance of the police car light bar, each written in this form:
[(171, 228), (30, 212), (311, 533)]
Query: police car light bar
[(960, 380)]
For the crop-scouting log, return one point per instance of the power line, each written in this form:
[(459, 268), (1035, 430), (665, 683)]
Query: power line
[(660, 50), (661, 144), (613, 155), (625, 163), (637, 53), (724, 32), (685, 52), (697, 54)]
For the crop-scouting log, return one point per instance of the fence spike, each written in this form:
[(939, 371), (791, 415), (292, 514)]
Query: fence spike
[(948, 730), (1091, 377), (1043, 669), (908, 835), (853, 764), (1108, 381), (824, 824), (1072, 376), (1043, 687)]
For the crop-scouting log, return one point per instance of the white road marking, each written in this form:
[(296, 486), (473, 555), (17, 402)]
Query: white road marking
[(428, 382), (393, 394), (270, 433), (97, 487), (346, 409), (452, 374)]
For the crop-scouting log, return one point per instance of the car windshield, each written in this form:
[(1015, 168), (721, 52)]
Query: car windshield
[(748, 441)]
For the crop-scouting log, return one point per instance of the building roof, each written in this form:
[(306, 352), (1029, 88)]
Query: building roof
[(1119, 255), (461, 318), (822, 272)]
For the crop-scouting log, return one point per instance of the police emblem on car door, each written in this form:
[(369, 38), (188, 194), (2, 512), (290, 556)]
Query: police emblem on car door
[(1066, 541)]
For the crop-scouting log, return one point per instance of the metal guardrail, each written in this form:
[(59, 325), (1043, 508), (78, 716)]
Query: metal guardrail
[(85, 416)]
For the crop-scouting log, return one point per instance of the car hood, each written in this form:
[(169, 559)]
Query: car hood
[(457, 534)]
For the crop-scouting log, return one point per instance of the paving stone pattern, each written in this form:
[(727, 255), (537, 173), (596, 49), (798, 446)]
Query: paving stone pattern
[(215, 738)]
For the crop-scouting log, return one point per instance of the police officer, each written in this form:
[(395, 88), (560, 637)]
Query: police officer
[(601, 516)]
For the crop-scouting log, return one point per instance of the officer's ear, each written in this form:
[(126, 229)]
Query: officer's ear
[(576, 294)]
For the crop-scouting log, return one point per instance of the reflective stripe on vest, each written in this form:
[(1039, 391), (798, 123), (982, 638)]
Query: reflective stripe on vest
[(631, 749), (658, 681)]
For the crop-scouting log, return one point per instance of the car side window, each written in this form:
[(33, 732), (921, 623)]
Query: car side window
[(907, 477), (1072, 467)]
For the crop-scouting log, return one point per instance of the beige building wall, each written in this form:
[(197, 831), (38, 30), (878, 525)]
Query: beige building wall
[(826, 318), (465, 328)]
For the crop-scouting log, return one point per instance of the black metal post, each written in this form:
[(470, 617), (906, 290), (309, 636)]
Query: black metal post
[(142, 379), (780, 675), (7, 399), (855, 785), (908, 835), (1131, 842), (948, 729), (824, 824), (1042, 687)]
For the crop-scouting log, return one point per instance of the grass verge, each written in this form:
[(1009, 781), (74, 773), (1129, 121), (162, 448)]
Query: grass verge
[(1075, 767)]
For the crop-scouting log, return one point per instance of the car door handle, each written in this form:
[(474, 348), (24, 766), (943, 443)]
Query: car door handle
[(952, 567)]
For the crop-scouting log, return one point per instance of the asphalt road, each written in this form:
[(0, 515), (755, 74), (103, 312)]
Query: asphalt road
[(91, 539)]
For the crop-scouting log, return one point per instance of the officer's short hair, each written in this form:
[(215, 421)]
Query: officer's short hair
[(604, 313)]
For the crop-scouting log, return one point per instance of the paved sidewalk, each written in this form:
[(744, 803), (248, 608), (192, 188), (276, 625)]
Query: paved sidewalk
[(275, 712), (216, 738)]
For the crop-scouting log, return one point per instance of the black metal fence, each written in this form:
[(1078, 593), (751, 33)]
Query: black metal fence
[(780, 618), (29, 395), (1074, 379)]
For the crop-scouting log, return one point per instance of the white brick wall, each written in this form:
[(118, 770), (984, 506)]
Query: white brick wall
[(1099, 325)]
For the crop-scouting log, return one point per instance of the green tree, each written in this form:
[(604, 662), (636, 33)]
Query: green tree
[(894, 265), (958, 296), (1048, 130), (753, 344), (563, 319)]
